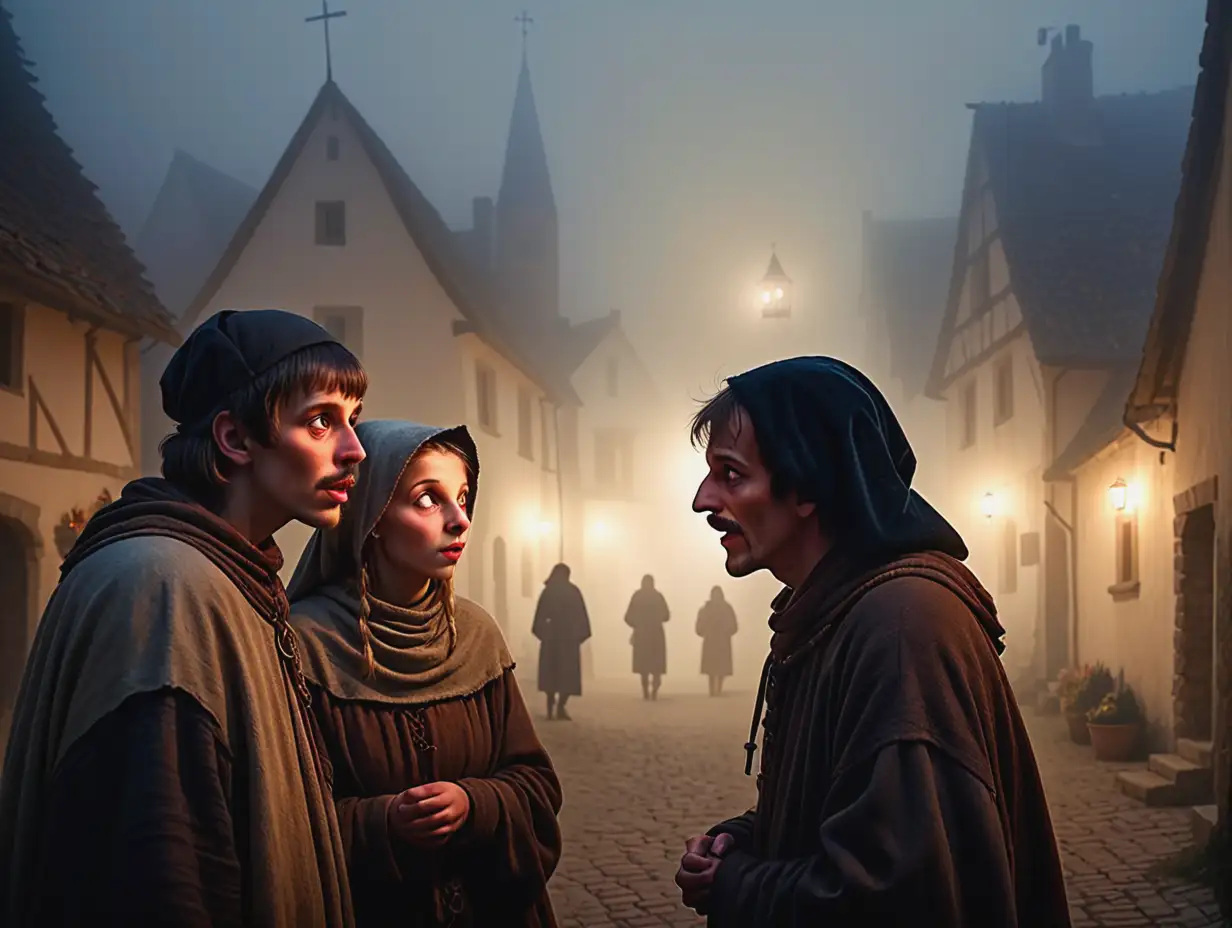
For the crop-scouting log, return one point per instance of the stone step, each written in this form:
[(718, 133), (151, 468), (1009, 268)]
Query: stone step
[(1183, 773), (1202, 820), (1151, 789), (1196, 752)]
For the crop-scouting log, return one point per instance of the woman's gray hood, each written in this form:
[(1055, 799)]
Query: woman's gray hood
[(334, 557)]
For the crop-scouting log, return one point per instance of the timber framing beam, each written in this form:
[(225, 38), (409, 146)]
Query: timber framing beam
[(20, 453), (95, 364), (976, 360)]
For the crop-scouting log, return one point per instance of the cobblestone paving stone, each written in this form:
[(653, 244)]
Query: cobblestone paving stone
[(639, 778)]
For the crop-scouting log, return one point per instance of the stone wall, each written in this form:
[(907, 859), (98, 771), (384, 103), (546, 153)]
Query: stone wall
[(1193, 675)]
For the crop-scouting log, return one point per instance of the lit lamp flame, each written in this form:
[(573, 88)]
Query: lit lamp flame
[(1118, 494)]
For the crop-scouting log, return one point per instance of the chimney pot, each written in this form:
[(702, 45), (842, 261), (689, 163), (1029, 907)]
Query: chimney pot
[(1068, 90)]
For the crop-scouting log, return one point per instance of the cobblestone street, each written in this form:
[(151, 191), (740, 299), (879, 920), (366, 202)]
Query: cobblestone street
[(639, 778)]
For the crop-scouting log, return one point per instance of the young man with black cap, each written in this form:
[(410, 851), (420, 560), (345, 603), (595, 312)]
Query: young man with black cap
[(161, 768), (897, 783)]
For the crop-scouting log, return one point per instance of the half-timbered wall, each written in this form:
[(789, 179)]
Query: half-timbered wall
[(988, 316), (996, 425), (68, 432)]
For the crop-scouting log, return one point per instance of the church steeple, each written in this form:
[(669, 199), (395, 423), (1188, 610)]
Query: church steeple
[(527, 235)]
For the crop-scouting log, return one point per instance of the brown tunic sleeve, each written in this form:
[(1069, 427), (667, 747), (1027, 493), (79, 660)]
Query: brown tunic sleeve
[(362, 820), (514, 810), (910, 838), (141, 823), (740, 828)]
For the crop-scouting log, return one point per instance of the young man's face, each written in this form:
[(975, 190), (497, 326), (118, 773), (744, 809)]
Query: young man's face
[(308, 470), (759, 530)]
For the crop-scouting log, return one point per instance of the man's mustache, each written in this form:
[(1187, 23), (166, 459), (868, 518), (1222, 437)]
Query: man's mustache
[(347, 476), (726, 526)]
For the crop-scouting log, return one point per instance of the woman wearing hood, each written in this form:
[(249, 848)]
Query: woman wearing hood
[(446, 798)]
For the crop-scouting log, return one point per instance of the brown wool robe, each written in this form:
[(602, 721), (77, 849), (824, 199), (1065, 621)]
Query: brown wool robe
[(161, 770), (898, 785), (442, 705)]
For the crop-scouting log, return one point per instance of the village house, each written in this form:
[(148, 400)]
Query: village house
[(449, 326), (1065, 215), (73, 307), (905, 281), (341, 234), (1155, 495)]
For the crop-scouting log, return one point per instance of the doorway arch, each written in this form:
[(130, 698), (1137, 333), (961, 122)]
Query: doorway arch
[(21, 547), (500, 580)]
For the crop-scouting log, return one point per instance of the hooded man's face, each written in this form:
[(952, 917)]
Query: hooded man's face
[(758, 529)]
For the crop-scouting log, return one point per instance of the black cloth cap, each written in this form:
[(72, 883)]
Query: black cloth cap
[(825, 427), (226, 353)]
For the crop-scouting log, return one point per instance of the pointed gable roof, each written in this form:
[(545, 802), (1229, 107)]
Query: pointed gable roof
[(578, 340), (1083, 223), (58, 243), (774, 270), (1155, 388), (465, 289), (525, 179), (180, 248), (907, 268)]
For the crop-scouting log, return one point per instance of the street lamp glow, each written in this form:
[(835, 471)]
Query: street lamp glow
[(775, 290), (989, 505), (1118, 495)]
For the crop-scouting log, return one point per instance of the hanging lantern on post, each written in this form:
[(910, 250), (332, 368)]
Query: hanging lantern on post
[(775, 290)]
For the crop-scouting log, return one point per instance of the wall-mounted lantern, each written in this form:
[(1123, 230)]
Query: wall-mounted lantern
[(988, 505), (1118, 494)]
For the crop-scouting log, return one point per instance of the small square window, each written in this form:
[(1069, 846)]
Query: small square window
[(1003, 400), (526, 430), (331, 222), (345, 323), (485, 396), (1126, 550)]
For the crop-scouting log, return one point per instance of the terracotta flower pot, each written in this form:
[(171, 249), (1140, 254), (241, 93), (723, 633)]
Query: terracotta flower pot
[(1114, 742), (1077, 722)]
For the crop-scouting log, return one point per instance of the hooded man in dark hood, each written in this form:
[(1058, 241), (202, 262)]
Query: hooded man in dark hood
[(897, 782), (161, 768)]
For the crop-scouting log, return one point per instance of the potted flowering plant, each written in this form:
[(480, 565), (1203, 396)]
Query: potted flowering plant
[(1116, 725), (1080, 692)]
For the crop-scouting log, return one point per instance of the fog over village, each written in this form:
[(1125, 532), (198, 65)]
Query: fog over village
[(563, 226)]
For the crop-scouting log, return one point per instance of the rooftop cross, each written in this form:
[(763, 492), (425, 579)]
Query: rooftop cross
[(325, 17), (526, 22)]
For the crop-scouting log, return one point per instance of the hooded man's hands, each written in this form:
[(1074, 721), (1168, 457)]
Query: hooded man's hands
[(702, 856)]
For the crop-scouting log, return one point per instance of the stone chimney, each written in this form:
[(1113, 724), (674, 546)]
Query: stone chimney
[(483, 225), (1069, 81)]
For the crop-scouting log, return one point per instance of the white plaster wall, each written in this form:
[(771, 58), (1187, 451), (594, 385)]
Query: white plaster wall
[(1005, 460), (1131, 635)]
